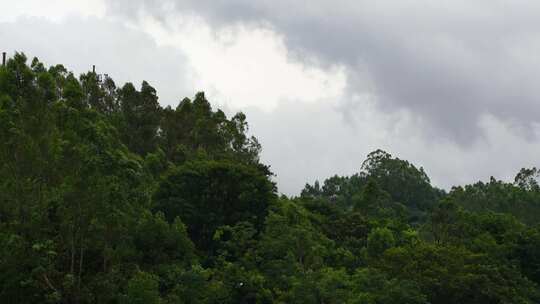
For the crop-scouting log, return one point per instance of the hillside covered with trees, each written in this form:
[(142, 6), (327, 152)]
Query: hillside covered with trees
[(107, 197)]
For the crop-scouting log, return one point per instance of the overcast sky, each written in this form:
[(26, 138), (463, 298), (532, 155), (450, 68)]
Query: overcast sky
[(452, 86)]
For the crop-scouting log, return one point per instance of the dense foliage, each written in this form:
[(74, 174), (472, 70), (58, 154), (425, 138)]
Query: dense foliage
[(106, 197)]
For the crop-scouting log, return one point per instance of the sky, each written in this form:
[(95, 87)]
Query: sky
[(449, 85)]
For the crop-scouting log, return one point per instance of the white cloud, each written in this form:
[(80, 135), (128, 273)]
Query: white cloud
[(244, 66), (55, 10)]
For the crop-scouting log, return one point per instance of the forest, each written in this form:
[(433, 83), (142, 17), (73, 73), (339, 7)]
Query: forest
[(108, 197)]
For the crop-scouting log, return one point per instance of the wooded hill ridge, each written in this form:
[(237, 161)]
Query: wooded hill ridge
[(107, 197)]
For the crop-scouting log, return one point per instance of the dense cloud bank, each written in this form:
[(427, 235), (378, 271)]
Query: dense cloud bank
[(449, 64)]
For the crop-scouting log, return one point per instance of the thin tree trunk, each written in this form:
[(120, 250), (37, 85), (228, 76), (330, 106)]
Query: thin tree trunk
[(72, 266), (80, 268)]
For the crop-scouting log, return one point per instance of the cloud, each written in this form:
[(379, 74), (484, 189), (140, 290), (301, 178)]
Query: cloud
[(249, 67), (304, 142), (448, 63), (56, 10)]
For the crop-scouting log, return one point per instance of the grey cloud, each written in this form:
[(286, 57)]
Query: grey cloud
[(448, 63), (123, 53), (302, 149)]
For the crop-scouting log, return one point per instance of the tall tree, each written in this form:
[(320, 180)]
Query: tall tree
[(140, 117)]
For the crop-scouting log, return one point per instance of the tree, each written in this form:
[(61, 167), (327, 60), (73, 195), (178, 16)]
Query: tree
[(453, 274), (143, 289), (403, 181), (379, 240), (194, 127), (526, 179), (207, 194), (291, 247), (140, 117)]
